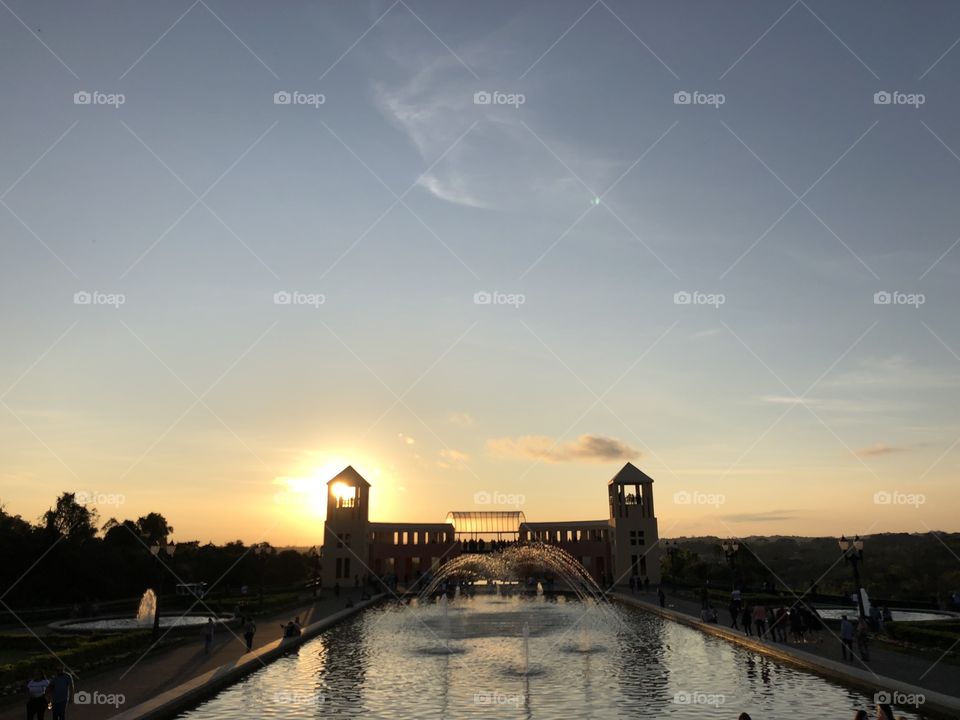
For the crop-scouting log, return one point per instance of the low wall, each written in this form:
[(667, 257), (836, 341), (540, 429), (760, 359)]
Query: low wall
[(936, 704), (192, 692)]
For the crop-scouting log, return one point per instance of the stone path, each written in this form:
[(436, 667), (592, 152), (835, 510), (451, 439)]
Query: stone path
[(162, 670)]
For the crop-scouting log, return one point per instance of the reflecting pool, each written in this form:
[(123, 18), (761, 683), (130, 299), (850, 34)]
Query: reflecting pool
[(526, 657)]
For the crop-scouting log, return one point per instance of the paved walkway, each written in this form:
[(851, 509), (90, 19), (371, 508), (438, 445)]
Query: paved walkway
[(164, 669), (884, 660)]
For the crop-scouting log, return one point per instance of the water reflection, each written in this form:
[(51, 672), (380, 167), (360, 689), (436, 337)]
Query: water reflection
[(468, 659)]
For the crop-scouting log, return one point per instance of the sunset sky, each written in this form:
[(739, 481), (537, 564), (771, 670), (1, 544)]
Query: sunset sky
[(583, 199)]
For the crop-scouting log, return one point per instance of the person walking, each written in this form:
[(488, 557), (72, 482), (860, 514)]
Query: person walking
[(207, 636), (61, 691), (734, 612), (760, 621), (746, 619), (249, 628), (36, 690), (846, 638)]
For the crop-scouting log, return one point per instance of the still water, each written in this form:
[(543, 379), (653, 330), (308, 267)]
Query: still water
[(526, 658)]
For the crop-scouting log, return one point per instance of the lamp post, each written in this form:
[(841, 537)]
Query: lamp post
[(259, 550), (730, 548), (672, 549), (155, 549), (315, 556), (852, 551)]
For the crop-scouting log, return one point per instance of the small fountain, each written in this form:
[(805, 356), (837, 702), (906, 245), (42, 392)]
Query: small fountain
[(147, 608)]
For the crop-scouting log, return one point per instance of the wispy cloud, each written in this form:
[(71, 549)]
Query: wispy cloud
[(768, 516), (586, 448), (878, 449)]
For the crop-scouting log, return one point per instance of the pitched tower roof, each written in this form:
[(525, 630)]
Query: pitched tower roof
[(349, 476), (630, 474)]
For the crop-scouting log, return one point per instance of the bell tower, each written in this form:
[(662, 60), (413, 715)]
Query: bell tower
[(636, 551), (345, 532)]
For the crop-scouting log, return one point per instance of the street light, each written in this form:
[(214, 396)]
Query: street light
[(673, 547), (259, 549), (155, 549), (730, 548), (315, 556), (852, 551)]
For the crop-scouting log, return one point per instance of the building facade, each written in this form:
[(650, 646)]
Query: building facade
[(612, 550)]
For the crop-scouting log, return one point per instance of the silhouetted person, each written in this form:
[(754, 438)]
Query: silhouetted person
[(36, 690), (61, 690), (744, 716), (661, 597), (746, 618), (760, 620), (863, 638), (249, 628), (861, 715), (207, 636), (734, 612), (846, 637)]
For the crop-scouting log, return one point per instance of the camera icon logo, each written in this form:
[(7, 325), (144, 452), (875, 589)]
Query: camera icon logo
[(682, 97), (882, 297), (482, 298), (82, 97), (282, 98), (682, 298), (82, 697), (82, 297), (883, 698), (682, 497), (882, 497), (882, 98), (482, 498), (282, 297), (482, 97)]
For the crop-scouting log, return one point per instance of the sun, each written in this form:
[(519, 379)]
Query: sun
[(305, 490)]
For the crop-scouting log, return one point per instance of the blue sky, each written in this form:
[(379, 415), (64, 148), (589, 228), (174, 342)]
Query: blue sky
[(594, 201)]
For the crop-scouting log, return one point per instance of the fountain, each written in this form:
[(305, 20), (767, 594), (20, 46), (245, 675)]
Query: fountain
[(515, 564), (143, 619), (147, 608)]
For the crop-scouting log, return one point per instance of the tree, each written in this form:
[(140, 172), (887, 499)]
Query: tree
[(71, 520), (153, 528)]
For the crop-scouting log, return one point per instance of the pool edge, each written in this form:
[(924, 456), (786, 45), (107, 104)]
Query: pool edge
[(194, 691), (935, 703)]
